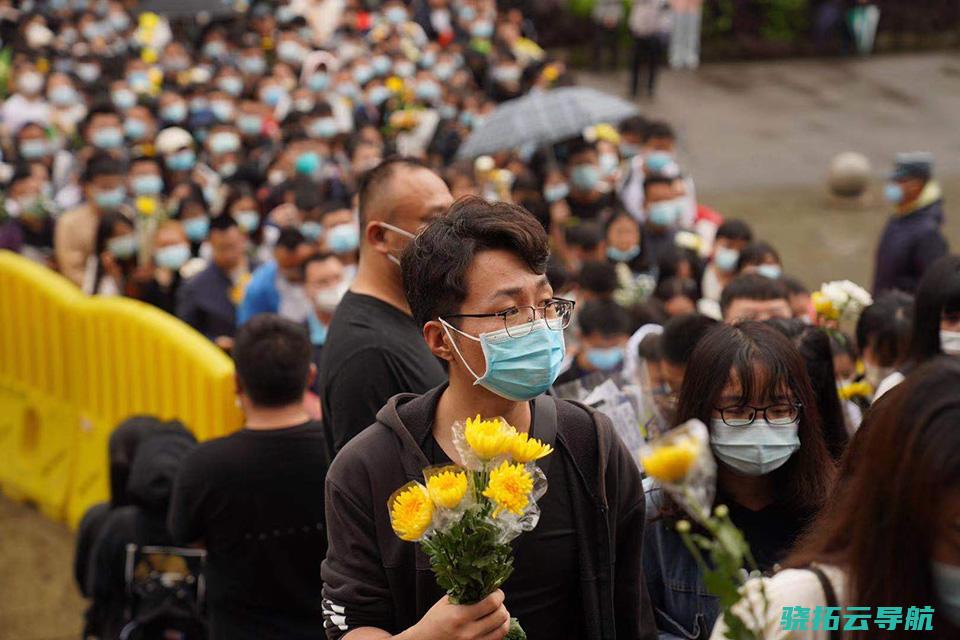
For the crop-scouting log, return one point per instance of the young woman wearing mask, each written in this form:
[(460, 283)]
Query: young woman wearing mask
[(750, 385), (936, 319), (114, 258), (883, 335), (890, 536)]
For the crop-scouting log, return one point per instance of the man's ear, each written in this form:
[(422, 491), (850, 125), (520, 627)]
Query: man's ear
[(373, 233), (438, 340)]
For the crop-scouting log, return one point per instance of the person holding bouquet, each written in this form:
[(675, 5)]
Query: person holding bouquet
[(749, 384), (475, 280)]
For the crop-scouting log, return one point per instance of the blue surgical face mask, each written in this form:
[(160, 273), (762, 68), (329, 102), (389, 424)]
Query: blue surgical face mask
[(946, 584), (725, 259), (182, 160), (772, 271), (428, 91), (628, 150), (147, 185), (222, 110), (585, 177), (172, 257), (272, 95), (623, 256), (443, 71), (664, 214), (381, 65), (135, 129), (32, 149), (123, 99), (107, 138), (249, 125), (893, 193), (224, 142), (123, 247), (322, 128), (428, 59), (253, 66), (63, 96), (396, 15), (518, 369), (248, 220), (231, 84), (308, 163), (482, 29), (318, 81), (110, 200), (658, 160), (214, 49), (362, 75), (343, 238), (197, 228), (756, 449), (555, 192), (174, 112), (605, 359), (311, 230)]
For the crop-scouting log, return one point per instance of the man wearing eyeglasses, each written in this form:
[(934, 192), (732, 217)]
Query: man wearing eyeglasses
[(476, 283)]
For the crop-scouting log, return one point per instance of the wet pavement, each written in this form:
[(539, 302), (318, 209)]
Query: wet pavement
[(758, 139)]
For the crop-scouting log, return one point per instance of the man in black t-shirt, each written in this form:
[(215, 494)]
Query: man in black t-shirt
[(374, 350), (254, 499)]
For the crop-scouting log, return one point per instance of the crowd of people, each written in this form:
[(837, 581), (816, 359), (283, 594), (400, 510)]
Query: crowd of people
[(286, 181)]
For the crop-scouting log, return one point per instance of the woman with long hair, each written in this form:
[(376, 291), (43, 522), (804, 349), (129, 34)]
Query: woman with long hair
[(750, 385), (891, 536), (936, 319), (814, 346)]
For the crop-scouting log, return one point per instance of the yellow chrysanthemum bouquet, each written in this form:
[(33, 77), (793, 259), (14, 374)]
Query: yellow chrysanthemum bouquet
[(681, 463), (465, 517)]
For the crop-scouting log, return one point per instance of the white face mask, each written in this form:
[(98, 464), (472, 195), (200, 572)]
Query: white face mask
[(950, 342), (328, 299), (756, 449), (875, 374)]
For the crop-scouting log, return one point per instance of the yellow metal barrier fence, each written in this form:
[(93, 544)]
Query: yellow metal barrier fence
[(73, 366)]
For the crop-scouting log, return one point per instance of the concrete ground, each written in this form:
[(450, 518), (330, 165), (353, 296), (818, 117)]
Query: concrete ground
[(757, 137)]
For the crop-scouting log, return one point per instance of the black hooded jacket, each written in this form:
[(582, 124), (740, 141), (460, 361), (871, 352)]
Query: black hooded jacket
[(374, 579), (141, 522)]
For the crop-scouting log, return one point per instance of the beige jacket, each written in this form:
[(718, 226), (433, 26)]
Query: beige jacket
[(74, 241)]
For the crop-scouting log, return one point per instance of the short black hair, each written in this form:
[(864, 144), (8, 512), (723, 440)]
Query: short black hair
[(886, 326), (654, 179), (681, 335), (290, 238), (272, 357), (103, 164), (676, 286), (603, 317), (938, 293), (586, 235), (319, 256), (222, 222), (651, 347), (374, 180), (755, 252), (735, 229), (598, 277), (635, 125), (658, 129), (435, 263), (752, 286)]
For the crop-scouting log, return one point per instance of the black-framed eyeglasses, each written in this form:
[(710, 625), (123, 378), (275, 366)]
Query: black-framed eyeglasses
[(519, 321), (780, 414)]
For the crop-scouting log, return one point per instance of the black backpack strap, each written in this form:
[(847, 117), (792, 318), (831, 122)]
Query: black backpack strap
[(545, 426), (829, 593)]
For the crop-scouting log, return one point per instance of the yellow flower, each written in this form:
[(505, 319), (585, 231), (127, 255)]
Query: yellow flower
[(488, 438), (551, 72), (670, 463), (149, 20), (856, 390), (525, 449), (149, 55), (509, 488), (447, 488), (824, 307), (146, 205), (411, 512), (239, 288), (395, 84)]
